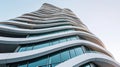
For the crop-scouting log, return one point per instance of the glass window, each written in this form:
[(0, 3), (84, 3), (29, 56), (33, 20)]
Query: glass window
[(68, 38), (77, 37), (41, 45), (55, 42), (65, 55), (46, 43), (86, 65), (87, 50), (54, 58), (63, 40), (78, 51), (22, 49), (72, 53), (93, 65), (39, 62), (73, 38), (53, 65), (89, 65), (22, 65), (29, 48)]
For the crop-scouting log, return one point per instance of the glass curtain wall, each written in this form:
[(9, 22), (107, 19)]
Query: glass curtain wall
[(55, 58)]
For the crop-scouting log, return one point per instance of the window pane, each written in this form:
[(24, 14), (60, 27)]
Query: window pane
[(68, 38), (78, 51), (93, 65), (53, 65), (29, 48), (38, 62), (24, 65), (55, 42), (22, 49), (55, 58), (65, 55), (74, 38), (86, 65), (41, 45), (72, 53), (87, 50), (63, 40)]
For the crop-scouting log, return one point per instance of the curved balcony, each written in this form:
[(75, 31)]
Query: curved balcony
[(21, 56), (98, 58)]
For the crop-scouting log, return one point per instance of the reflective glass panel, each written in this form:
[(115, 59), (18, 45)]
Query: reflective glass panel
[(39, 62), (78, 51), (72, 53), (55, 58), (65, 55)]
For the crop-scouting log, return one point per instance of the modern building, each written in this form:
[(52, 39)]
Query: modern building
[(51, 37)]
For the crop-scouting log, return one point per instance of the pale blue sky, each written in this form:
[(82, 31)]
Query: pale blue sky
[(101, 16)]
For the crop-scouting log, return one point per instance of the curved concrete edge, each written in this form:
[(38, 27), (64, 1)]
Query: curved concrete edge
[(23, 25), (45, 20), (29, 25), (7, 40), (34, 31), (98, 58), (58, 15), (21, 56), (51, 20)]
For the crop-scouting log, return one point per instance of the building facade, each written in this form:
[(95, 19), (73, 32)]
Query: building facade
[(51, 37)]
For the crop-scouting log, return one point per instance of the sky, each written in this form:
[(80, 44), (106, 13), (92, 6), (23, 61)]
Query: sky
[(102, 17)]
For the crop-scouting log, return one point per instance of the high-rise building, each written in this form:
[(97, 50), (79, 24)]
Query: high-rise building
[(51, 37)]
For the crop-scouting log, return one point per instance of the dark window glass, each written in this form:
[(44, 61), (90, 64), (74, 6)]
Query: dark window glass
[(13, 65), (89, 65), (87, 50), (22, 65), (86, 65)]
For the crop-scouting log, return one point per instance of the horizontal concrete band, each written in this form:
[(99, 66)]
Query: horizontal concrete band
[(38, 15), (8, 40), (100, 59), (21, 31), (32, 19), (26, 55), (22, 25), (49, 21)]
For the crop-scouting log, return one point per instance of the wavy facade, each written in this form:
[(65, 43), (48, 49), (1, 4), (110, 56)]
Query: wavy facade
[(51, 37)]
